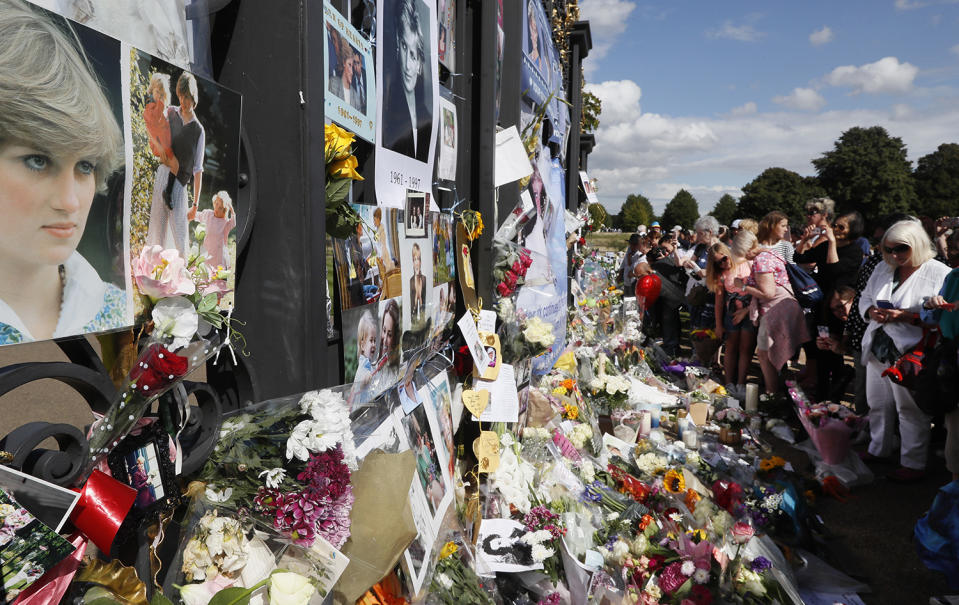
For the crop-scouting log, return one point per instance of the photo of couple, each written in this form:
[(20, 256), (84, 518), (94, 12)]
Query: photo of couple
[(347, 70), (186, 157)]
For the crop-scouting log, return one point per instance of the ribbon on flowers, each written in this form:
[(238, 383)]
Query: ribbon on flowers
[(51, 586), (103, 505)]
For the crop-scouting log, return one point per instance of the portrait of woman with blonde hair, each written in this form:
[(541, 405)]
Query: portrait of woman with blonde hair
[(59, 143)]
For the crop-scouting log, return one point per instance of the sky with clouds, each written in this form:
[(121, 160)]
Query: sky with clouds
[(706, 95)]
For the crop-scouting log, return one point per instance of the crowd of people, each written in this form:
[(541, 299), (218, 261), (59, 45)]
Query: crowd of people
[(824, 300)]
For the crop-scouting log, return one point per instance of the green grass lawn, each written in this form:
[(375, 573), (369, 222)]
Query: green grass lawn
[(609, 241)]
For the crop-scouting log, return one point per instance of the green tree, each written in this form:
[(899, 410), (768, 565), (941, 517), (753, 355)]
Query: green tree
[(592, 107), (867, 170), (636, 211), (777, 189), (725, 209), (937, 182), (681, 210), (598, 217)]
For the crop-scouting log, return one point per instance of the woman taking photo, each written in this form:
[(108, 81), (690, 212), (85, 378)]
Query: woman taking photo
[(891, 301), (731, 305), (780, 318), (59, 141)]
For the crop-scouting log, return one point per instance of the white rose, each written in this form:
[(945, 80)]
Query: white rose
[(288, 588), (175, 317)]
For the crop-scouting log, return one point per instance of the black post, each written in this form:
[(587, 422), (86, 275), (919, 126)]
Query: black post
[(580, 43)]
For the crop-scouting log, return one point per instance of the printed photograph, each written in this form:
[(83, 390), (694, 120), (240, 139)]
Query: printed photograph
[(186, 136), (143, 475), (49, 503), (351, 87), (446, 33), (28, 548), (418, 552), (417, 213), (444, 260), (361, 335), (357, 270), (417, 269), (440, 401), (428, 468), (388, 352), (347, 70), (385, 222), (63, 269)]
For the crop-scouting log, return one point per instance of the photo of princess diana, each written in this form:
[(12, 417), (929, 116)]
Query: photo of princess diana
[(62, 267)]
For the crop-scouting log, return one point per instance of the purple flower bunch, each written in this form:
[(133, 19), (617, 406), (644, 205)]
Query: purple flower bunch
[(321, 508), (540, 517), (760, 564)]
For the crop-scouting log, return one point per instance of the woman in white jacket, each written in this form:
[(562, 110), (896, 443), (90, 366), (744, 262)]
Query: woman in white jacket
[(891, 302)]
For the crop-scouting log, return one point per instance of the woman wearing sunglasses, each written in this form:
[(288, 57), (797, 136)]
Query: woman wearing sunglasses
[(892, 301), (732, 314)]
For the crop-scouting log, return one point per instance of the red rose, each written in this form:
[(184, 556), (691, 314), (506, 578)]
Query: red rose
[(156, 369), (727, 494), (503, 290), (526, 259), (462, 361), (517, 268), (510, 279), (582, 241)]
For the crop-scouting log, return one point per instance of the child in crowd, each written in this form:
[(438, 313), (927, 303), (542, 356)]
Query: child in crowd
[(218, 223), (365, 347), (158, 127)]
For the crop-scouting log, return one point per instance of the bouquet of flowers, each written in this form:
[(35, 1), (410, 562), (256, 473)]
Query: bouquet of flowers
[(509, 267), (829, 425), (454, 581), (289, 461)]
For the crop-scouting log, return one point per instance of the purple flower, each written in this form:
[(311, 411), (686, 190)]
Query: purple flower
[(760, 564)]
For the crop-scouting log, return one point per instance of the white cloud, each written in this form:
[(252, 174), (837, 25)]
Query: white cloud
[(955, 49), (743, 32), (802, 99), (887, 75), (908, 5), (821, 36), (744, 110), (657, 154), (607, 20)]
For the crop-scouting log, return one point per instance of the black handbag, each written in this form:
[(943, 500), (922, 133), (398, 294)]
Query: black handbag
[(883, 347), (937, 384)]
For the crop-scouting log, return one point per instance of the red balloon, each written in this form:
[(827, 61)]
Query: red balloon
[(647, 290)]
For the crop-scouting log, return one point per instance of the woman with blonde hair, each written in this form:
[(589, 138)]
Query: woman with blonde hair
[(780, 318), (892, 301), (731, 305), (59, 142)]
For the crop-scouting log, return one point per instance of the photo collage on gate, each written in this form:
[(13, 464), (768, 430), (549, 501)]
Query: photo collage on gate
[(163, 149)]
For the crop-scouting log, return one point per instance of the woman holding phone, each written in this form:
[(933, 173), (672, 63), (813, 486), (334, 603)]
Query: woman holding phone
[(891, 302), (59, 142)]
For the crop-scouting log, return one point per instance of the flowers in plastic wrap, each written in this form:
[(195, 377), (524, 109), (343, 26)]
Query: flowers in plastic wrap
[(510, 265), (341, 164), (543, 532), (513, 480), (290, 462), (454, 581), (218, 547)]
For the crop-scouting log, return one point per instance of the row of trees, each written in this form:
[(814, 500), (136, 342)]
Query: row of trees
[(866, 170)]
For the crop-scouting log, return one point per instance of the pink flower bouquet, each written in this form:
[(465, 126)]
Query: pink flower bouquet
[(829, 425)]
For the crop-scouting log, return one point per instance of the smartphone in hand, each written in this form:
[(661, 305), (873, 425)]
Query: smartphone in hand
[(884, 304)]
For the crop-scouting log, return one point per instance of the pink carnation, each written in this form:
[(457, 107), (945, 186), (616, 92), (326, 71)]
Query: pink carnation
[(672, 577)]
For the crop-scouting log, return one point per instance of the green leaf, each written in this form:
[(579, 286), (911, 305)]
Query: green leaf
[(160, 599), (208, 303), (232, 596), (103, 601)]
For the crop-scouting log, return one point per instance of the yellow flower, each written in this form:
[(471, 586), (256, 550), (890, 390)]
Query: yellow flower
[(572, 412), (771, 463), (720, 390), (338, 142), (559, 391), (345, 169), (449, 549), (674, 482), (473, 223)]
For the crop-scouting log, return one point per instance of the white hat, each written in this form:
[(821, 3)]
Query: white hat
[(677, 228), (735, 224)]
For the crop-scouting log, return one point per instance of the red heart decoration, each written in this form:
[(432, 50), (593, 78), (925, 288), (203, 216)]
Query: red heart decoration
[(647, 290)]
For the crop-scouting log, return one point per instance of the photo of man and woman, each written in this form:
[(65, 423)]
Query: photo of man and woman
[(186, 157), (62, 177), (417, 213), (347, 70)]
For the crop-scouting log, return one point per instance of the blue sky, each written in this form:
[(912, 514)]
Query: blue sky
[(706, 95)]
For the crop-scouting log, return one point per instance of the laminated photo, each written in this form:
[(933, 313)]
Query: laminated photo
[(408, 107), (439, 400), (185, 134), (501, 549), (444, 249), (446, 24), (351, 86), (417, 432), (28, 548), (417, 266), (49, 503), (446, 169), (417, 213), (63, 271), (357, 271)]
